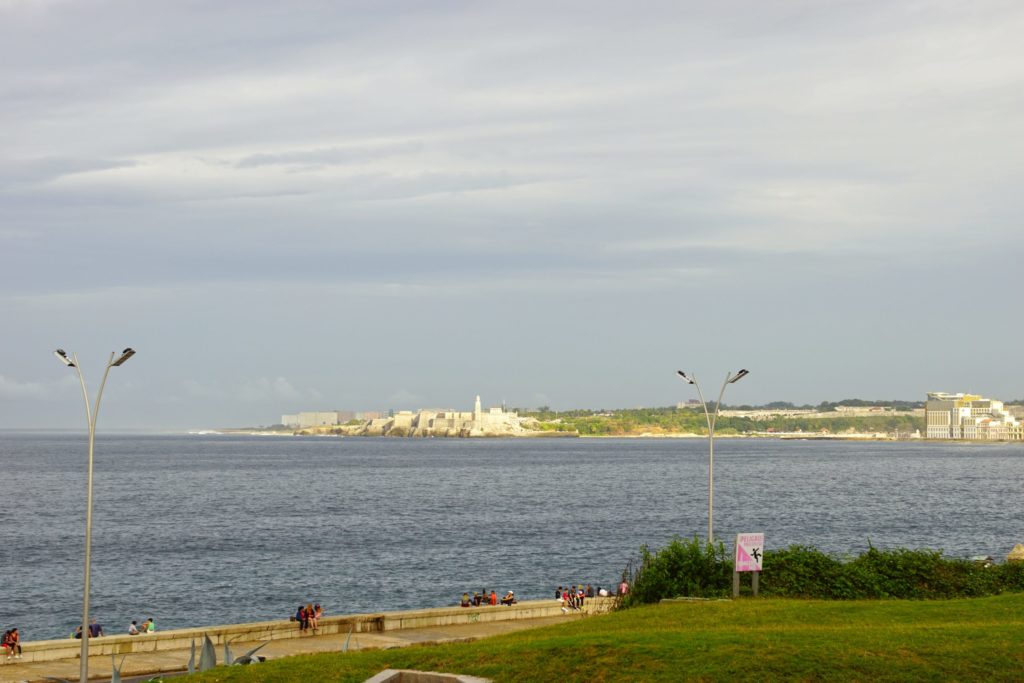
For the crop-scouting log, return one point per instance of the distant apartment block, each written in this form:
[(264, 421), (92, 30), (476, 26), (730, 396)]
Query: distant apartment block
[(968, 416), (320, 418)]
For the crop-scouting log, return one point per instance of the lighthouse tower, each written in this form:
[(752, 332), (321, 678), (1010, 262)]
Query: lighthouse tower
[(477, 412)]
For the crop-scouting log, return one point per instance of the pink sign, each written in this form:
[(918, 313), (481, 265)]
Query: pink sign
[(749, 552)]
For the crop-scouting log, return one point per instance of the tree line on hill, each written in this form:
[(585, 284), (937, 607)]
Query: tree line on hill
[(691, 420)]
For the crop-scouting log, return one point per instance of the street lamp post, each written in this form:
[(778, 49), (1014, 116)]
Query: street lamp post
[(712, 419), (90, 415)]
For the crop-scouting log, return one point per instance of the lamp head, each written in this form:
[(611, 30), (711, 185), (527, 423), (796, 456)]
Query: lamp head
[(682, 374), (125, 355), (63, 358), (739, 375)]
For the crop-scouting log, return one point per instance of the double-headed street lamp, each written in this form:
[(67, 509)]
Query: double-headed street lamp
[(90, 416), (729, 379)]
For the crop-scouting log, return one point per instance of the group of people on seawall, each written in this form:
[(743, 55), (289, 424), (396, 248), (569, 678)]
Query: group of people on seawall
[(308, 617), (485, 598), (573, 597), (134, 629)]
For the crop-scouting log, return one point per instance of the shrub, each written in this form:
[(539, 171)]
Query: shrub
[(680, 569), (803, 572), (695, 569)]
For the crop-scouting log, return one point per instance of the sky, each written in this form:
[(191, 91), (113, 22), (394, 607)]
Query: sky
[(374, 205)]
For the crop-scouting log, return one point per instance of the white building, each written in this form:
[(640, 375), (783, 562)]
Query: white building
[(494, 421), (323, 418), (968, 416)]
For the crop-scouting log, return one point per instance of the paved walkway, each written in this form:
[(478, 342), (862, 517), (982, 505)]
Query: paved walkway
[(177, 660)]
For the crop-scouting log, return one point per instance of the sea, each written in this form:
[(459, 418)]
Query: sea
[(210, 529)]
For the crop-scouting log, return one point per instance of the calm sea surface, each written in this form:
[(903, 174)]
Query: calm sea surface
[(202, 530)]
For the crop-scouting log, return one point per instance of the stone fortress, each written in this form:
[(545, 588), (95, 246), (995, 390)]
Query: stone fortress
[(494, 421)]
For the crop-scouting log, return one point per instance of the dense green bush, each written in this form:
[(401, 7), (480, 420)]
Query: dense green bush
[(696, 569), (689, 568), (802, 571)]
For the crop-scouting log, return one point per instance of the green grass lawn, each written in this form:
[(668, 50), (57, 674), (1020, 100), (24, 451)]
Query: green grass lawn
[(768, 639)]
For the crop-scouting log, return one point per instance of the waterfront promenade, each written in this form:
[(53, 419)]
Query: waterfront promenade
[(169, 651)]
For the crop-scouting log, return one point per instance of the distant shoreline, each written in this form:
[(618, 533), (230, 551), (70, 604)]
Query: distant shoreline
[(787, 436)]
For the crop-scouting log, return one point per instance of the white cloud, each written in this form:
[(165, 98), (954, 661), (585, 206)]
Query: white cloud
[(10, 388)]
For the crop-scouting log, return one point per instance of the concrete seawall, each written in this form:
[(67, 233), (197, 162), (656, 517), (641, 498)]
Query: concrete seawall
[(238, 634)]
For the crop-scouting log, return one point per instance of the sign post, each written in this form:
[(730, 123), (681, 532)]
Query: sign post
[(749, 554)]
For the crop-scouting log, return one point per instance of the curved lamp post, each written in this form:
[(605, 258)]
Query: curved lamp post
[(90, 415), (712, 419)]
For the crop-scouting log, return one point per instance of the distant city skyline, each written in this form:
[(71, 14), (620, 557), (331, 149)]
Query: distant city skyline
[(392, 205)]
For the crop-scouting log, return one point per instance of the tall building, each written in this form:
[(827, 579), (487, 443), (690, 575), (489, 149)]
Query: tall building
[(968, 416), (314, 419)]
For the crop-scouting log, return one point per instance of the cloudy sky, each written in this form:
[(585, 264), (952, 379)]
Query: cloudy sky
[(367, 205)]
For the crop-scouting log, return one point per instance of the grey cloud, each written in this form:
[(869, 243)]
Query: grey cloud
[(15, 172), (329, 156)]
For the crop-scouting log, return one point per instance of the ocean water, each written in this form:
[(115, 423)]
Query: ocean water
[(203, 530)]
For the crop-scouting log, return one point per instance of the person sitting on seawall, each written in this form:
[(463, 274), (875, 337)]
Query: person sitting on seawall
[(77, 635), (509, 598), (313, 623), (603, 592), (133, 629), (494, 598), (95, 630), (465, 600), (12, 643), (148, 626)]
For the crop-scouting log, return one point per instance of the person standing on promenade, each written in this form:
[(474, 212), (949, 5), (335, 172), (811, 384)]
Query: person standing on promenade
[(95, 630), (494, 598)]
